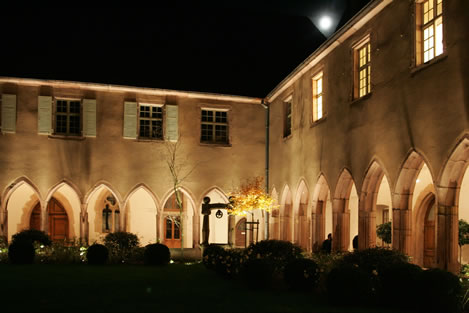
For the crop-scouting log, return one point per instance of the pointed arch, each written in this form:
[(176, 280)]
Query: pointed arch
[(15, 185), (216, 189), (286, 214), (189, 196), (106, 185), (15, 220), (301, 213), (367, 205), (70, 198), (318, 212), (64, 182), (274, 221), (140, 213), (341, 212), (448, 194), (147, 189), (402, 201)]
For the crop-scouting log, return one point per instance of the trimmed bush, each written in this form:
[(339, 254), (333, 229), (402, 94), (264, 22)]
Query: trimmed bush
[(21, 252), (97, 254), (348, 284), (439, 291), (302, 274), (121, 245), (374, 259), (211, 256), (32, 236), (156, 254), (399, 282), (279, 252)]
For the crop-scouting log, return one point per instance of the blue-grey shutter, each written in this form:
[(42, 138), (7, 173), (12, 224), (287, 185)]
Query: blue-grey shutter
[(8, 113), (130, 120), (89, 117), (172, 133), (44, 115)]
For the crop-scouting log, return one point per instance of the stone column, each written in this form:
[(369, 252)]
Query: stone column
[(231, 229), (447, 238), (366, 229), (402, 230), (159, 232), (196, 231), (44, 218), (84, 225)]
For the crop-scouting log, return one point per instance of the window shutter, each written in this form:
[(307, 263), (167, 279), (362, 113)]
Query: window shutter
[(130, 120), (172, 122), (44, 115), (8, 113), (89, 117)]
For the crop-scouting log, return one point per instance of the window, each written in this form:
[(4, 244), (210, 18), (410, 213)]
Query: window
[(429, 30), (67, 117), (214, 126), (287, 117), (150, 122), (363, 68), (318, 109), (385, 216), (110, 215)]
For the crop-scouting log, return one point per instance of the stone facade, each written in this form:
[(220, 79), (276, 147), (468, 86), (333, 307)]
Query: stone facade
[(372, 127)]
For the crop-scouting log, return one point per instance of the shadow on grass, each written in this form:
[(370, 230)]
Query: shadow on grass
[(122, 288)]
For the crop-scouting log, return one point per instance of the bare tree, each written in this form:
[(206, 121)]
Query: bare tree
[(180, 170)]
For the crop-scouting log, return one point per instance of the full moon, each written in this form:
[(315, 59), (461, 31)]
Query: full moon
[(325, 22)]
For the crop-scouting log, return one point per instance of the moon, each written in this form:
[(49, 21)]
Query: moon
[(325, 22)]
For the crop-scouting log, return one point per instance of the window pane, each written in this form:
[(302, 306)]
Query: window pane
[(157, 112), (439, 36), (169, 228), (177, 233), (61, 106), (157, 129), (61, 124), (74, 125), (74, 106)]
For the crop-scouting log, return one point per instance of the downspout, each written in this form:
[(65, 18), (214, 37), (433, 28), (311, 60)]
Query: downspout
[(266, 106)]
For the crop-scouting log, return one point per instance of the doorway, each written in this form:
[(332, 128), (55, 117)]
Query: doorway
[(429, 233), (57, 218)]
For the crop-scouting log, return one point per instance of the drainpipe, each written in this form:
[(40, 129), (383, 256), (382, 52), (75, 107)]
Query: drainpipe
[(266, 106)]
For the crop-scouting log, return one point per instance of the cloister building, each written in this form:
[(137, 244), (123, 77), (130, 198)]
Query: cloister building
[(372, 127)]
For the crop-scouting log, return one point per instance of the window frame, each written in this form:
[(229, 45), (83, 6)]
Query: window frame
[(317, 95), (214, 124), (139, 119), (421, 26), (287, 116), (358, 68), (68, 114)]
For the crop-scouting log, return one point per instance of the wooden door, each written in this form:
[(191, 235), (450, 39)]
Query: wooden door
[(58, 220), (172, 233), (240, 235), (429, 235), (35, 219)]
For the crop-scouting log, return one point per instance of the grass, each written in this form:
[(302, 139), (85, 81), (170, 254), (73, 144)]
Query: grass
[(125, 288)]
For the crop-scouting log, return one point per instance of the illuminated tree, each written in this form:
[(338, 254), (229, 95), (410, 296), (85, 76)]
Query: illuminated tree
[(251, 196)]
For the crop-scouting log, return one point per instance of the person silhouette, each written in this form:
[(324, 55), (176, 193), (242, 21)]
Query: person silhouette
[(327, 244)]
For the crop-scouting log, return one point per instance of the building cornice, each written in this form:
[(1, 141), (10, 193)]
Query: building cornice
[(123, 89), (358, 21)]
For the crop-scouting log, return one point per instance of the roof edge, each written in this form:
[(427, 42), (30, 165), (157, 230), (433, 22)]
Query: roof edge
[(347, 30), (121, 88)]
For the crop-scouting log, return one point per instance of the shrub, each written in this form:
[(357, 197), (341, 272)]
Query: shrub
[(32, 236), (21, 252), (348, 284), (211, 255), (121, 245), (439, 291), (97, 254), (374, 259), (302, 274), (3, 250), (258, 273), (62, 253), (279, 252), (400, 283), (156, 254)]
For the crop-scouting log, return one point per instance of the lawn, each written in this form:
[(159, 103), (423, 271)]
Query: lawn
[(122, 288)]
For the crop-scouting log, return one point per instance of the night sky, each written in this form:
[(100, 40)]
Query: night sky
[(233, 47)]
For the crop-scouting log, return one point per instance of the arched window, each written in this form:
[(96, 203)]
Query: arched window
[(111, 215)]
